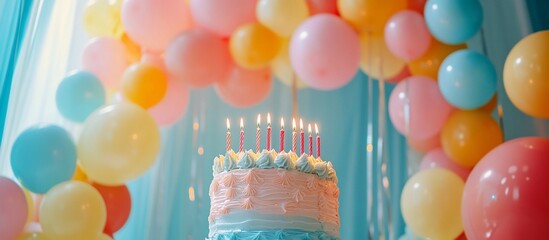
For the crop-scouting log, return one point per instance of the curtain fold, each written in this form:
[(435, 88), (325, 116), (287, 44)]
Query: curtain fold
[(14, 16)]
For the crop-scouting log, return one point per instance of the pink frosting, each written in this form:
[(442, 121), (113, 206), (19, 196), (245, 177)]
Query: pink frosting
[(275, 191)]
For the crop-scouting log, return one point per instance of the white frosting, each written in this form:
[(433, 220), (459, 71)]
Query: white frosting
[(277, 192)]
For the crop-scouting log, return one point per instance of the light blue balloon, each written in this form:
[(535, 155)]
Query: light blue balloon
[(453, 21), (467, 79), (42, 157), (78, 95)]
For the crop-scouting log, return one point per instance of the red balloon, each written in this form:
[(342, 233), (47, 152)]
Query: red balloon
[(245, 88), (322, 6), (118, 202), (506, 196), (436, 158), (416, 5)]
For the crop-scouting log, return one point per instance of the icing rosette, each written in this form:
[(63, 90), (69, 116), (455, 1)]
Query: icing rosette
[(304, 165), (266, 160), (217, 167), (321, 170), (230, 161), (247, 160), (283, 160)]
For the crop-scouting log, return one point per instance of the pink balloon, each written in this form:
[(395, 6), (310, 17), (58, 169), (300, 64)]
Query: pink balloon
[(153, 23), (198, 58), (106, 58), (222, 17), (325, 52), (425, 145), (245, 88), (438, 159), (174, 104), (400, 76), (322, 6), (506, 194), (428, 110), (407, 35), (13, 209), (154, 59)]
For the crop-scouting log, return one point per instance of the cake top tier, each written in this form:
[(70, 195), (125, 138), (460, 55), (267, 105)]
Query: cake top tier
[(268, 159)]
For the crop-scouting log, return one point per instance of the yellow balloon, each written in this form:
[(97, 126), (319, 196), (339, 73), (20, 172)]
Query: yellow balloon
[(369, 15), (104, 237), (32, 236), (428, 64), (282, 16), (30, 204), (133, 51), (144, 84), (253, 46), (469, 135), (102, 18), (526, 75), (118, 143), (73, 210), (282, 67), (79, 174), (375, 58), (431, 204)]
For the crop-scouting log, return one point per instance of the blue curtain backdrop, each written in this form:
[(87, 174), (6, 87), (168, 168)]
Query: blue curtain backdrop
[(171, 201), (14, 15)]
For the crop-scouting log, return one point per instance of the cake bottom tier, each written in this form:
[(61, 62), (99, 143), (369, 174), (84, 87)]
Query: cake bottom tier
[(274, 235)]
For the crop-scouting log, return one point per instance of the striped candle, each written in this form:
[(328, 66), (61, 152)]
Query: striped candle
[(228, 135), (310, 141), (258, 134), (294, 137), (241, 146)]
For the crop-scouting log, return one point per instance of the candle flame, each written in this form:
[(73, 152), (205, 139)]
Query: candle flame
[(293, 123), (310, 131), (301, 124), (228, 124), (316, 129), (241, 123), (269, 119), (282, 123), (258, 119)]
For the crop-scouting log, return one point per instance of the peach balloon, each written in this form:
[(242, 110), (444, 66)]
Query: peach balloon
[(222, 17), (153, 24), (105, 57), (198, 58), (407, 35), (428, 110), (438, 159), (375, 58), (144, 84), (325, 52), (174, 104), (468, 135), (425, 145), (369, 15), (245, 88)]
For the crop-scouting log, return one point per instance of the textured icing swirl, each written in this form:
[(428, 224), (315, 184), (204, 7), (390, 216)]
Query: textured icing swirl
[(283, 160), (332, 173), (230, 161), (321, 169), (303, 164), (274, 235), (266, 160), (247, 160)]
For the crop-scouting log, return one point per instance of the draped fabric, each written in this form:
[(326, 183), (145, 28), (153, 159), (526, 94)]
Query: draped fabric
[(171, 200), (13, 22)]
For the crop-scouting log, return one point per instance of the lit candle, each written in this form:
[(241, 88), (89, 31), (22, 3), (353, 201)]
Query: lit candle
[(281, 134), (310, 141), (317, 141), (258, 134), (268, 131), (294, 136), (302, 136), (241, 135), (228, 135)]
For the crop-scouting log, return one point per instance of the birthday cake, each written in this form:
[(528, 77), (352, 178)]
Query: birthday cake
[(271, 195)]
